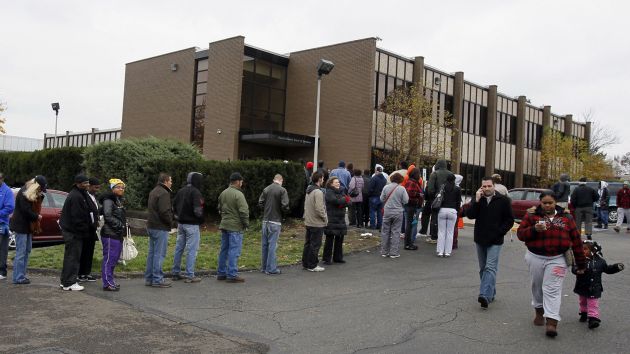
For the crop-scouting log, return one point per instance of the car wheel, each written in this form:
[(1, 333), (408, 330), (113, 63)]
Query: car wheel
[(11, 240), (612, 216)]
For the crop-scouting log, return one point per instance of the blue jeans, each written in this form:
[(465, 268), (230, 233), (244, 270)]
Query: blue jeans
[(187, 239), (158, 243), (231, 243), (376, 215), (488, 266), (602, 213), (23, 246), (270, 234)]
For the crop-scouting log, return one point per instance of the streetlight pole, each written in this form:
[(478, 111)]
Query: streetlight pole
[(323, 68), (319, 85), (55, 107)]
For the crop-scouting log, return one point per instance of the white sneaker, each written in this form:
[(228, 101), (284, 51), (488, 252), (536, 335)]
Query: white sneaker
[(2, 277), (73, 287), (394, 256), (317, 269)]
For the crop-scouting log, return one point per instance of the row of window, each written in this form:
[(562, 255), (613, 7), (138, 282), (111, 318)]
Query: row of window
[(81, 140), (393, 66)]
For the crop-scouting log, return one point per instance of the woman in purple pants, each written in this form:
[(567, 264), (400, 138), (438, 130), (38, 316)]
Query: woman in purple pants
[(112, 232)]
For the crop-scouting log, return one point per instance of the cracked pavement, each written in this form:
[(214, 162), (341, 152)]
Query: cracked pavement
[(416, 303)]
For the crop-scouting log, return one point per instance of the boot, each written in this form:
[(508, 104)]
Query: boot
[(593, 322), (551, 328), (583, 316), (539, 320)]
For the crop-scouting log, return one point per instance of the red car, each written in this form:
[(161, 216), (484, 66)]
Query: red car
[(51, 211), (523, 199)]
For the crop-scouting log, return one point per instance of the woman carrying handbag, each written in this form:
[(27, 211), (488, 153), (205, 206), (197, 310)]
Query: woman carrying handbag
[(112, 232)]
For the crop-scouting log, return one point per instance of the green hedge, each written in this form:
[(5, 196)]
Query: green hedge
[(59, 166), (257, 174)]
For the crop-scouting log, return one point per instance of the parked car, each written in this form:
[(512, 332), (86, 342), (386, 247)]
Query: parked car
[(613, 188), (523, 199), (51, 211)]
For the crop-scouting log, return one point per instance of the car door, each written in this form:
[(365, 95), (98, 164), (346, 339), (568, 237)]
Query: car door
[(518, 203), (51, 211)]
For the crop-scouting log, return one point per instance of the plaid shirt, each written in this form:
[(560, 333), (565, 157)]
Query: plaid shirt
[(561, 234), (416, 198)]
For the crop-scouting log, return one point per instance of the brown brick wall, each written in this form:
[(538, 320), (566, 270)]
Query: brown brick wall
[(223, 100), (346, 101), (158, 101)]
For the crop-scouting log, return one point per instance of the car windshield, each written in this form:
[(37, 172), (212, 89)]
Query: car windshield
[(55, 200), (516, 195)]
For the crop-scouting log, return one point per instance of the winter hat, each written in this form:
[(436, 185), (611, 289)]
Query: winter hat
[(114, 182), (236, 177), (41, 180), (94, 181), (80, 179), (342, 163), (309, 165)]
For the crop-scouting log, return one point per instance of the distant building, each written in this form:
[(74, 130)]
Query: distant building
[(18, 143), (81, 139)]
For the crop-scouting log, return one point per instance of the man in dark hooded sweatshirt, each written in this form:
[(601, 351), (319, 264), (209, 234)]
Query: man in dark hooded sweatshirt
[(436, 181), (188, 211)]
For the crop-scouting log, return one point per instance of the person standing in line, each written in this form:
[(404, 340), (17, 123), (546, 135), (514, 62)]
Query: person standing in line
[(623, 207), (188, 211), (379, 167), (365, 221), (394, 197), (458, 181), (7, 205), (77, 221), (274, 200), (436, 181), (234, 213), (416, 198), (549, 232), (25, 221), (343, 175), (159, 223), (356, 195), (315, 220), (309, 171), (602, 205), (562, 190), (582, 200), (447, 217), (493, 217), (112, 233), (375, 187), (351, 212), (336, 229), (498, 187), (323, 170), (87, 250)]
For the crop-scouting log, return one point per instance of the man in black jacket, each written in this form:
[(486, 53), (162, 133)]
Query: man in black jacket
[(159, 224), (77, 220), (188, 211), (493, 219), (87, 250), (582, 200), (274, 200)]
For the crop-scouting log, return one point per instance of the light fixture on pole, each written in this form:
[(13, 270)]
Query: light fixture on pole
[(323, 68), (55, 107)]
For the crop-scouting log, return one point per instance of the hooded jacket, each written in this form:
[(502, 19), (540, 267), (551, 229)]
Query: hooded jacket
[(562, 189), (77, 214), (437, 179), (114, 216), (604, 195), (315, 207), (376, 185), (383, 172), (589, 284), (623, 198), (7, 204), (188, 204), (583, 196)]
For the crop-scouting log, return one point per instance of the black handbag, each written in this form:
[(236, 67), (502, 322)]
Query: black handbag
[(439, 198)]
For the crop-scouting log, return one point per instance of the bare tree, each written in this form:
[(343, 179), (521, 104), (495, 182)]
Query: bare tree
[(2, 120), (602, 136)]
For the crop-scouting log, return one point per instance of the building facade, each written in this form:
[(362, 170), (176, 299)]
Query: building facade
[(18, 143), (81, 139), (236, 101)]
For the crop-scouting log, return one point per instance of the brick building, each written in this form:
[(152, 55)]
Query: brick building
[(236, 101)]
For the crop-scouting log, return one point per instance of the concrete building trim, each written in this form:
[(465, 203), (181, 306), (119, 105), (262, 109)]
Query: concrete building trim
[(491, 141), (458, 98), (520, 140)]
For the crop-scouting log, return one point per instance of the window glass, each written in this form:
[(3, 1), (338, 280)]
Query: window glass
[(263, 72), (409, 72), (376, 61), (201, 88), (391, 69), (532, 195), (202, 76), (400, 71), (383, 60), (516, 195), (55, 200), (261, 98), (277, 101), (202, 65), (278, 76), (200, 100)]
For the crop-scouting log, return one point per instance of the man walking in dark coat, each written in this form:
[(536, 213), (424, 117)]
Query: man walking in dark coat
[(77, 220), (582, 200), (493, 217)]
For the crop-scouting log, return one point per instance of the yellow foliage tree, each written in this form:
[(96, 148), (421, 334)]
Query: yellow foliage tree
[(2, 120), (410, 127)]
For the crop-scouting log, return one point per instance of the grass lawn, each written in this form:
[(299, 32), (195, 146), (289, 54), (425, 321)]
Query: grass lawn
[(289, 252)]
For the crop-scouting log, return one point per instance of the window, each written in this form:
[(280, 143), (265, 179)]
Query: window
[(532, 195), (516, 195)]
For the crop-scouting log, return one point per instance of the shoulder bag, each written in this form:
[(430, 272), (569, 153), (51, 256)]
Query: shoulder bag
[(129, 250), (439, 198)]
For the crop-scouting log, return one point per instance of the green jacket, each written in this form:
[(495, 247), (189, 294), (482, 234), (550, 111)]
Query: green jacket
[(233, 209)]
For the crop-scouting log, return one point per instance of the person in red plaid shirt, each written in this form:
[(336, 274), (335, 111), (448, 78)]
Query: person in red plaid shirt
[(548, 232)]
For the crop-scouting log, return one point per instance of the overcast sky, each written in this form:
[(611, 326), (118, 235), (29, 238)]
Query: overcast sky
[(572, 55)]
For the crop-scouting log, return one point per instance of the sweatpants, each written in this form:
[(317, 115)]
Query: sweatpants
[(590, 306), (390, 234), (621, 213), (447, 221), (584, 214), (111, 253), (547, 275), (73, 244)]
